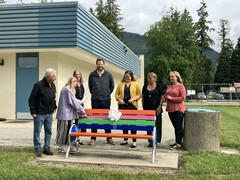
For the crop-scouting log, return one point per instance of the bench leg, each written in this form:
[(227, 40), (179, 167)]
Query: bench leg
[(73, 128), (78, 149), (68, 150), (153, 154), (154, 139)]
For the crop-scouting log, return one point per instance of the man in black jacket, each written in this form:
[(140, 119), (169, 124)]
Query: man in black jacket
[(101, 85), (42, 105)]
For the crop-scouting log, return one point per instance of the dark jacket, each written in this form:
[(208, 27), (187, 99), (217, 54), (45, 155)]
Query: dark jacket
[(42, 99), (100, 87)]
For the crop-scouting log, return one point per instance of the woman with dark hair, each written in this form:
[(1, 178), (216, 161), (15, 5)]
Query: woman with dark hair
[(127, 94), (175, 96), (81, 95)]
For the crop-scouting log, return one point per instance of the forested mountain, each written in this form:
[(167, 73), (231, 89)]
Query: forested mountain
[(137, 44)]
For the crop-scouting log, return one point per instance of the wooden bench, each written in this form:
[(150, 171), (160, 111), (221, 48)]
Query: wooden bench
[(140, 120), (237, 87), (224, 89)]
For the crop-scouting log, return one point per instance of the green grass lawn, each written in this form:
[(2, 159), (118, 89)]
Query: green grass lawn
[(15, 163)]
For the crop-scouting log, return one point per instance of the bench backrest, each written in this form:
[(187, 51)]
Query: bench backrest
[(224, 89), (143, 120)]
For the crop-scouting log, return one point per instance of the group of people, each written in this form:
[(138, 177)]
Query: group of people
[(42, 103)]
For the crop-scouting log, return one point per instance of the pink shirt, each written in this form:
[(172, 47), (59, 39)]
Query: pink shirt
[(178, 94)]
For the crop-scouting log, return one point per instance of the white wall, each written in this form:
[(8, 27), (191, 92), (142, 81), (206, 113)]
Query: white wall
[(63, 64), (66, 66), (7, 86)]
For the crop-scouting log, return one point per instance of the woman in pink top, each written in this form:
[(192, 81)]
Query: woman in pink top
[(175, 96)]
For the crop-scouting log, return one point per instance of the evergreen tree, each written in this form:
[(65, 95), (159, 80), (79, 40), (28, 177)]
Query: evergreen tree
[(204, 40), (109, 15), (173, 46), (2, 1), (20, 2), (223, 69), (43, 1), (91, 11), (100, 12), (205, 66), (235, 63)]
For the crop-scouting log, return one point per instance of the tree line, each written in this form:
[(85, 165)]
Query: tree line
[(177, 43)]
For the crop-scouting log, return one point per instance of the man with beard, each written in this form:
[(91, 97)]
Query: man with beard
[(101, 85)]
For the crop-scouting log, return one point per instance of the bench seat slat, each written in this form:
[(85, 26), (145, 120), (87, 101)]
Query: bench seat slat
[(117, 127), (136, 117), (123, 111), (119, 122), (137, 136)]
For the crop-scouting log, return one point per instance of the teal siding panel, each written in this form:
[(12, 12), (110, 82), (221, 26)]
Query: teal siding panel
[(93, 37), (39, 45), (38, 25), (38, 28), (67, 24)]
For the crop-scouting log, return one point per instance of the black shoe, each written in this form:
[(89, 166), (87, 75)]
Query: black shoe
[(38, 154), (124, 143), (48, 152), (171, 145), (150, 144), (176, 147), (133, 146), (60, 150)]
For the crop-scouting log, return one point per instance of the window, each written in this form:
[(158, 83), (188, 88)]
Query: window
[(27, 60)]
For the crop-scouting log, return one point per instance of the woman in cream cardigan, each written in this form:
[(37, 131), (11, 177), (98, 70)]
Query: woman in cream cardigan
[(127, 94)]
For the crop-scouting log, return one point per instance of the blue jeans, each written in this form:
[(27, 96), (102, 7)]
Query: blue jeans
[(46, 121), (100, 104)]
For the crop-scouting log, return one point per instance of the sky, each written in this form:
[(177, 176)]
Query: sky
[(138, 15)]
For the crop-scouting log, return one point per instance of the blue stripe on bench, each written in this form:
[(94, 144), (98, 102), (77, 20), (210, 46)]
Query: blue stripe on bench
[(112, 127)]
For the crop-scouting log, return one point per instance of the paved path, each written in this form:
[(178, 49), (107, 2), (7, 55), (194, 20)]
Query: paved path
[(20, 132)]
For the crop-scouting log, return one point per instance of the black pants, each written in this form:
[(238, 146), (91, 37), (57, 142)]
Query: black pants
[(177, 122), (129, 107), (82, 130), (158, 125), (101, 104)]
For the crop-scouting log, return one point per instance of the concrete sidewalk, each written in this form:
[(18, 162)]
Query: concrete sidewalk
[(20, 133)]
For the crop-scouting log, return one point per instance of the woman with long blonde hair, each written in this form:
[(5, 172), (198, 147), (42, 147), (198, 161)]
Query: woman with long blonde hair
[(69, 108), (175, 96)]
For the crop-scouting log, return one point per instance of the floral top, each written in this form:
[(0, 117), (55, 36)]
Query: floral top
[(178, 94)]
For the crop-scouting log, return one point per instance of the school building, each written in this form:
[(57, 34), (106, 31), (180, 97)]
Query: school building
[(63, 36)]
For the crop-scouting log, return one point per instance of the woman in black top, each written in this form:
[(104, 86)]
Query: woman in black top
[(151, 100)]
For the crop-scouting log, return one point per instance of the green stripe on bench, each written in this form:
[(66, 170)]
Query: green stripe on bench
[(119, 122)]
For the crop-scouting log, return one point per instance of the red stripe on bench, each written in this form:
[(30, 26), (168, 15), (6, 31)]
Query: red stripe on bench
[(137, 136), (123, 111), (128, 117)]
